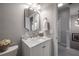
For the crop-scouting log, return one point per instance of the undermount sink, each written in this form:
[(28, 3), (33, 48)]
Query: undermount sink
[(35, 41)]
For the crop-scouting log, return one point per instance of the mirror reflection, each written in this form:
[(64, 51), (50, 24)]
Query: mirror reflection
[(32, 19)]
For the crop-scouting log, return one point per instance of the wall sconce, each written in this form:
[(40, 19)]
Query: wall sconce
[(77, 21)]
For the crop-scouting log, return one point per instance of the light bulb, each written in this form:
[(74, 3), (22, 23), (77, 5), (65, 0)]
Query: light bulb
[(38, 7), (27, 6), (78, 19), (60, 4), (76, 22), (31, 8)]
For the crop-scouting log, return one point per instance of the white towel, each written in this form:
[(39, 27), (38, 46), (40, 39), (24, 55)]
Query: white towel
[(45, 25)]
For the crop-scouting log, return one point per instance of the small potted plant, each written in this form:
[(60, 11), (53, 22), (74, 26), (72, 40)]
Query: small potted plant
[(4, 44)]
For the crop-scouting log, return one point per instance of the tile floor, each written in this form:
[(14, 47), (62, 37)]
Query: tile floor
[(62, 51)]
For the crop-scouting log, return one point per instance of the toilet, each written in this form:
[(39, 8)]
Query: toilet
[(11, 51)]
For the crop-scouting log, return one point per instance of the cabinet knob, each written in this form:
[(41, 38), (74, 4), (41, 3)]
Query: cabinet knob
[(43, 46)]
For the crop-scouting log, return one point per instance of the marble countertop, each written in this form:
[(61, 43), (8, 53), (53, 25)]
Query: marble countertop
[(31, 42)]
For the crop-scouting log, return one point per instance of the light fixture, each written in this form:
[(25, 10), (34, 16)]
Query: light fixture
[(38, 7), (33, 6), (78, 15), (27, 6), (77, 21), (60, 4)]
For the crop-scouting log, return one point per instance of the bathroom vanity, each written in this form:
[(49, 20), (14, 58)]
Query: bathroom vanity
[(38, 46)]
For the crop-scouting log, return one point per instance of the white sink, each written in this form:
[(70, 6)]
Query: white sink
[(31, 42)]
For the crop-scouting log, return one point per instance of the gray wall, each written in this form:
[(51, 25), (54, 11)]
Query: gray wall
[(12, 22), (49, 10), (74, 29), (63, 25)]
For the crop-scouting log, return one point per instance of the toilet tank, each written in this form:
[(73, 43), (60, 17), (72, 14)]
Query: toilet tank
[(11, 51)]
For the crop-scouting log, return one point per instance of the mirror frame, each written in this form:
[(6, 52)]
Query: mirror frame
[(29, 19)]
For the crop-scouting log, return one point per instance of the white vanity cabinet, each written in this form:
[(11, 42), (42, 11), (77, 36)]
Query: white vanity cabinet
[(38, 48)]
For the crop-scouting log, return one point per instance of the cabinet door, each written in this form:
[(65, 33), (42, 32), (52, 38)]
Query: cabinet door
[(25, 49), (36, 51), (43, 49), (46, 47)]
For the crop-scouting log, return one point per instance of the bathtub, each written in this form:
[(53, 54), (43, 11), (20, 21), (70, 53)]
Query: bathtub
[(11, 51)]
